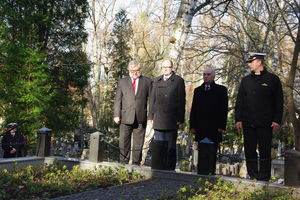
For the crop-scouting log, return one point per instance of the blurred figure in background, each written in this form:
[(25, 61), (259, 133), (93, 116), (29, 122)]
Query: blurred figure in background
[(12, 142)]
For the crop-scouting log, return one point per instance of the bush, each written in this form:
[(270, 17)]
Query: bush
[(51, 180)]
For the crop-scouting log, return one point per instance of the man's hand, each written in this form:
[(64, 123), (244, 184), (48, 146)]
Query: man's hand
[(13, 151), (178, 123), (193, 130), (117, 120), (275, 126), (220, 130), (239, 126)]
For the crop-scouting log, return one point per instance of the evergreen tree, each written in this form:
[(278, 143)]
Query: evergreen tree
[(42, 68), (120, 56), (122, 33)]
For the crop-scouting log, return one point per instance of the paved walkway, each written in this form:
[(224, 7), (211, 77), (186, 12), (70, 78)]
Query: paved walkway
[(151, 189)]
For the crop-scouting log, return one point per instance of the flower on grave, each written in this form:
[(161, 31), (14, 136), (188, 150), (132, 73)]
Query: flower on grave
[(185, 166), (185, 162), (272, 179)]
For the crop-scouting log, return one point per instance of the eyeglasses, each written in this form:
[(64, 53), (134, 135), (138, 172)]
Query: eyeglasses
[(166, 67), (134, 71)]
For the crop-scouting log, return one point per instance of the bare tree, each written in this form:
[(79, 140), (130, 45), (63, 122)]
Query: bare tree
[(182, 25), (100, 19), (290, 13), (262, 26)]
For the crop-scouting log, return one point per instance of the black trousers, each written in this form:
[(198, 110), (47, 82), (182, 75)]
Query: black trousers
[(137, 131), (171, 136), (263, 138)]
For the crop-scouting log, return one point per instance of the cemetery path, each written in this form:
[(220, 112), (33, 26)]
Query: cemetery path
[(151, 189)]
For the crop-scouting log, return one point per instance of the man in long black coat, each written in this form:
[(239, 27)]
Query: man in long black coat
[(258, 111), (167, 108), (209, 110)]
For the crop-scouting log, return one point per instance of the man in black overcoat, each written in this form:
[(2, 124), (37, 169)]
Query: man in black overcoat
[(258, 111), (209, 110), (12, 143), (130, 111), (167, 108)]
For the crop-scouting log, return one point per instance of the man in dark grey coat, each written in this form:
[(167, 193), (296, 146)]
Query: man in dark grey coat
[(130, 111), (167, 108), (258, 111), (209, 110)]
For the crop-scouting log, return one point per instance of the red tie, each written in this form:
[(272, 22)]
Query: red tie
[(133, 85)]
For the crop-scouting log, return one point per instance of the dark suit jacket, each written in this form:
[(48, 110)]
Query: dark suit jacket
[(127, 105), (167, 103), (209, 112)]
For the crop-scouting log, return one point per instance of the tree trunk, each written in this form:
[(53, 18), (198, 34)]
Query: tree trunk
[(290, 95), (181, 29), (99, 24), (92, 107)]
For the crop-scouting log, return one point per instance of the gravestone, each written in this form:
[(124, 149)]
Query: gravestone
[(96, 147), (43, 142)]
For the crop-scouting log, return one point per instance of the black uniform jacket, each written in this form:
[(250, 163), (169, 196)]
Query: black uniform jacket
[(9, 142), (128, 105), (260, 100), (209, 112), (167, 103)]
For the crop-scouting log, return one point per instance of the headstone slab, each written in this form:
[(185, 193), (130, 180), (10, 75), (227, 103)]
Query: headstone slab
[(206, 141), (159, 153), (43, 142), (291, 168), (96, 147), (206, 153)]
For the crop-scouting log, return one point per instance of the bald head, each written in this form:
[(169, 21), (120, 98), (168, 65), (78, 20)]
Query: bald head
[(167, 67)]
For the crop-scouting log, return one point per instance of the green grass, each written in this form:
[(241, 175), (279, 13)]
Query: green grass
[(50, 181), (55, 180), (227, 190)]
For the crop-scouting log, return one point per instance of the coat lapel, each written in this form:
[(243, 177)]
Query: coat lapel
[(129, 85), (140, 84)]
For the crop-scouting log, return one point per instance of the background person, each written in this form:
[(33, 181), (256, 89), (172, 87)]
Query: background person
[(12, 142), (258, 110), (209, 111), (130, 111), (167, 108)]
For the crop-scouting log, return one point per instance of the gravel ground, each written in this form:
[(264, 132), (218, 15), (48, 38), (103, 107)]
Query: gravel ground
[(148, 189)]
